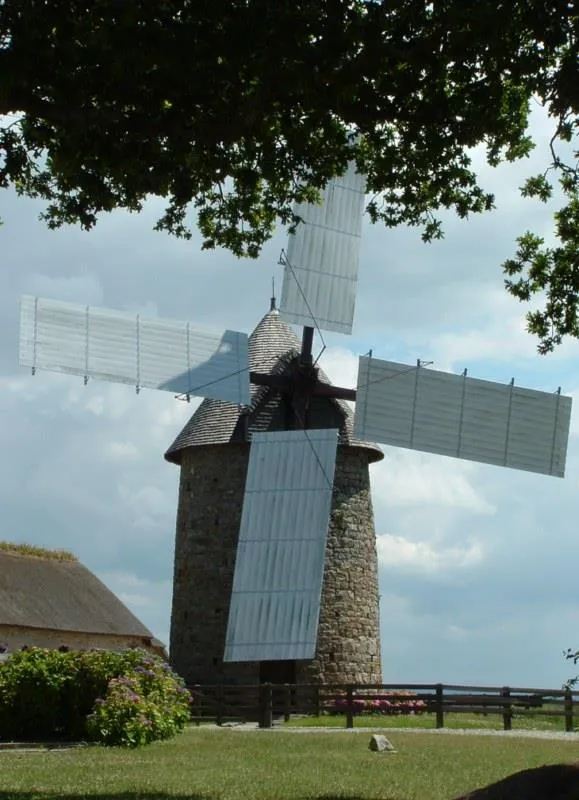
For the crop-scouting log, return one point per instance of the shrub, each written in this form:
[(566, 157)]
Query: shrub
[(147, 704), (32, 685), (51, 694)]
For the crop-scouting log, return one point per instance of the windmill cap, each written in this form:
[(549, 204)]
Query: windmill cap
[(273, 346)]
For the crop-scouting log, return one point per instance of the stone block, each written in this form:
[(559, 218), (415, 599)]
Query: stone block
[(380, 744)]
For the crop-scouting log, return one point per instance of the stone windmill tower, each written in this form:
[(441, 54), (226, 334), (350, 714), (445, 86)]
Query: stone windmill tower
[(212, 451)]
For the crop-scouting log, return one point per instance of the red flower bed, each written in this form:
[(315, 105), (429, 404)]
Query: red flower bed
[(388, 704)]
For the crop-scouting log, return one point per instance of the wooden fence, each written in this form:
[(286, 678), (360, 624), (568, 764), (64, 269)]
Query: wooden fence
[(263, 703)]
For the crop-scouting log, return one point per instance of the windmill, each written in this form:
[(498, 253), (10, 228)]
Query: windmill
[(275, 602)]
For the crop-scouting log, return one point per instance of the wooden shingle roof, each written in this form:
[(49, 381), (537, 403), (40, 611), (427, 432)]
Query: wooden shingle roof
[(273, 345)]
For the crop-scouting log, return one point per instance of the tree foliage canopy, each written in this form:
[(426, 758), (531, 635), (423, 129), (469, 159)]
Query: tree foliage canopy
[(234, 109)]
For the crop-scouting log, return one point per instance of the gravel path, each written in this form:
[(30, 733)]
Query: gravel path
[(252, 727)]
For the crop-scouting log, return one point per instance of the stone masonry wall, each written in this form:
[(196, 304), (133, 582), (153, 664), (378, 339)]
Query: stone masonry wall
[(348, 649), (208, 518)]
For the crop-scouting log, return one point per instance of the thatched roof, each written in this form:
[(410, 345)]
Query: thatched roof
[(60, 595), (273, 346)]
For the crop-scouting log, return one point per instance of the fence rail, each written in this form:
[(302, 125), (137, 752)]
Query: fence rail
[(265, 702)]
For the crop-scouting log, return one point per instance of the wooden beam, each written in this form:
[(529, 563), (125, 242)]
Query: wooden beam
[(307, 342), (335, 392), (286, 383)]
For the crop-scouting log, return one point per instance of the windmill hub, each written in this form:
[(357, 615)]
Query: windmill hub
[(304, 378)]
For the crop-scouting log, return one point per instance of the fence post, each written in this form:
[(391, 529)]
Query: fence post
[(439, 705), (266, 707), (287, 697), (568, 710), (196, 706), (219, 712), (507, 710), (350, 706)]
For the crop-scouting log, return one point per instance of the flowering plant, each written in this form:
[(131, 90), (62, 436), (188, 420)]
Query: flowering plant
[(147, 703), (126, 698), (387, 703)]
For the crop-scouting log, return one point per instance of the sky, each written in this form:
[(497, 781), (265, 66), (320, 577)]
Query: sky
[(478, 564)]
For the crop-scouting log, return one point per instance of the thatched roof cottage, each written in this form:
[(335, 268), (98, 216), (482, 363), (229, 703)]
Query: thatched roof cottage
[(49, 599)]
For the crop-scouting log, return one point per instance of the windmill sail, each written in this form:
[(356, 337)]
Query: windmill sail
[(321, 272), (453, 415), (126, 348), (277, 583)]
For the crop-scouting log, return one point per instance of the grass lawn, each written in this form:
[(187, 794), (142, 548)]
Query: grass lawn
[(469, 721), (208, 764)]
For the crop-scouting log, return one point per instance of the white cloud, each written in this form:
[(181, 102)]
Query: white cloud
[(83, 288), (395, 552), (96, 405), (456, 632), (122, 450), (341, 366), (502, 338), (408, 479), (147, 599), (149, 505)]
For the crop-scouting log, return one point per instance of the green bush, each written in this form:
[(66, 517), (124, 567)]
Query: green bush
[(127, 698), (148, 704), (32, 685)]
